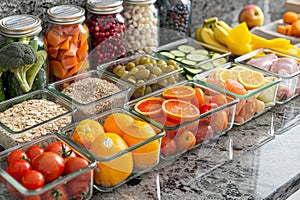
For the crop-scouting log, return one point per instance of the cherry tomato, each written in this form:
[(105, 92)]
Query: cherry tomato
[(76, 163), (17, 154), (57, 193), (33, 180), (18, 168), (33, 152), (50, 164), (206, 107), (61, 149), (168, 146), (78, 189)]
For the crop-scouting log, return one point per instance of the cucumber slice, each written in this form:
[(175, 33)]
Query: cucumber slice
[(186, 48), (215, 55), (189, 77), (220, 61), (196, 57), (200, 51), (193, 70), (207, 66), (179, 59), (177, 53), (188, 62), (167, 54)]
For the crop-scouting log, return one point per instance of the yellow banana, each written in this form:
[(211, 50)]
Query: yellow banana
[(207, 35), (220, 33), (224, 25)]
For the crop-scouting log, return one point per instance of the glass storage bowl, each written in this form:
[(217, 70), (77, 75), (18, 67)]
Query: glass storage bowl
[(144, 73), (32, 115), (284, 65), (208, 125), (194, 56), (144, 151), (246, 109), (16, 189), (82, 99)]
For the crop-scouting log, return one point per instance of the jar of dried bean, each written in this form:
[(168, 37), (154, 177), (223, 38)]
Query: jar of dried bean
[(23, 56), (106, 26), (142, 26), (175, 19), (67, 41)]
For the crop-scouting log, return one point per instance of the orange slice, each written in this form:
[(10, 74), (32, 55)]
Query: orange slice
[(180, 110), (179, 92), (235, 87), (251, 79), (150, 107)]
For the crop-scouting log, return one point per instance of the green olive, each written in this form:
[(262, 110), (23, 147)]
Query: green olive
[(161, 62), (171, 62), (152, 76), (149, 66), (141, 67), (117, 68), (171, 80), (144, 60), (138, 94), (152, 61), (122, 73), (157, 71), (142, 74), (176, 67), (168, 69), (163, 83), (133, 71), (131, 80), (148, 89), (130, 66), (136, 61), (154, 87)]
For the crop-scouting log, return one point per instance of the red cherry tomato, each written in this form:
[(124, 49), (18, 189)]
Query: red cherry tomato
[(78, 189), (76, 163), (17, 154), (33, 180), (18, 168), (33, 152), (61, 149), (50, 164), (206, 107), (57, 193)]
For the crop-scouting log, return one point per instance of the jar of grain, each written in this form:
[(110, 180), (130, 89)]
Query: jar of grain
[(106, 26), (18, 32), (142, 26), (67, 41)]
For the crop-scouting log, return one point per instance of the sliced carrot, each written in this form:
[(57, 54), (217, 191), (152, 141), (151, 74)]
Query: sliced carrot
[(72, 51), (54, 38), (61, 54), (53, 52), (69, 61), (82, 50), (57, 69), (65, 45), (74, 70), (74, 38)]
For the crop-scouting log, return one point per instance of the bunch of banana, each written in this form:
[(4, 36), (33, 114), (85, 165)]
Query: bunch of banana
[(213, 32)]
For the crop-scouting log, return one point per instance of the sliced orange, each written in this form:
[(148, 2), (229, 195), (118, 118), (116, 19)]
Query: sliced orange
[(199, 97), (181, 92), (180, 110), (150, 107), (251, 79)]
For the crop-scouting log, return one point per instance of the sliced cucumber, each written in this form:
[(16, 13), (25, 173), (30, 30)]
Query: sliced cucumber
[(179, 59), (220, 61), (193, 70), (186, 48), (200, 51), (207, 66), (196, 57), (167, 54), (189, 77), (189, 62), (215, 55), (177, 53)]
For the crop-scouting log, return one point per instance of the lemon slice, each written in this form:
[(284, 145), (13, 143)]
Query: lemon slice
[(251, 79), (228, 74)]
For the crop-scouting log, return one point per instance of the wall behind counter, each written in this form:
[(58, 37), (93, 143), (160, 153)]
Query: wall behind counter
[(226, 10)]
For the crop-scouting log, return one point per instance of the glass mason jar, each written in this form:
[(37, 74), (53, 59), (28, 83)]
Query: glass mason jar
[(175, 19), (67, 41), (106, 26), (21, 35), (142, 26)]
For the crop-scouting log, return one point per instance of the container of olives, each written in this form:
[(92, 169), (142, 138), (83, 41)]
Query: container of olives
[(144, 73)]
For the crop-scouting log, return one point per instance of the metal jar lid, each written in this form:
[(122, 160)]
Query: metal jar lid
[(105, 6), (20, 26), (140, 1), (66, 14)]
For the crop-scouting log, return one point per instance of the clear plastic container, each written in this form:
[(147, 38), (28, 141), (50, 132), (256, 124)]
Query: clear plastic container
[(281, 64), (144, 73), (113, 92), (254, 102), (142, 154), (214, 119), (32, 115), (16, 190)]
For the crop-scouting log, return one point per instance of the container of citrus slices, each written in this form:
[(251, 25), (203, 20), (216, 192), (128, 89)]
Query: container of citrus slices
[(281, 64), (189, 112), (256, 89), (124, 145)]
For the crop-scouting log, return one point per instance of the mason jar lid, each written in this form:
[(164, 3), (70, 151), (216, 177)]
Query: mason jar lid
[(105, 6), (20, 26), (140, 1), (66, 14)]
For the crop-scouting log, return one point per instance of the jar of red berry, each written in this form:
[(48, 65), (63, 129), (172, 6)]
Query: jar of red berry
[(106, 26), (67, 41)]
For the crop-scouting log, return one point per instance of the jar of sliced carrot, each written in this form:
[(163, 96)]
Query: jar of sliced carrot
[(67, 41)]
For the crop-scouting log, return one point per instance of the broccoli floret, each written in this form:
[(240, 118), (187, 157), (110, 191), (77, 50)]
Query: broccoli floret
[(18, 58)]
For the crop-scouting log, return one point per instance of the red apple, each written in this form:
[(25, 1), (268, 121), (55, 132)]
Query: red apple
[(252, 15)]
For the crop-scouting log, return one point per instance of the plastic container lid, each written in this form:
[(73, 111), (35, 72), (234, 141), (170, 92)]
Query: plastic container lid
[(66, 14), (105, 6), (20, 25)]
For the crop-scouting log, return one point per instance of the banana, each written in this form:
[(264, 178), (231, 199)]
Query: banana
[(220, 33), (224, 25), (207, 36)]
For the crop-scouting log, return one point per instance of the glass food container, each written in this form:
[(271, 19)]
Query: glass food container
[(107, 31), (189, 112), (256, 89), (142, 26), (19, 33), (175, 19), (67, 41), (128, 148), (75, 185), (284, 65)]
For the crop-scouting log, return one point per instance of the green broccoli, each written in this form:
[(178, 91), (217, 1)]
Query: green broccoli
[(18, 58)]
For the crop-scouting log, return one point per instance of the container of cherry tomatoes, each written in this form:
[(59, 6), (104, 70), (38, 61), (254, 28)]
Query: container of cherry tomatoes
[(49, 167), (190, 113)]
